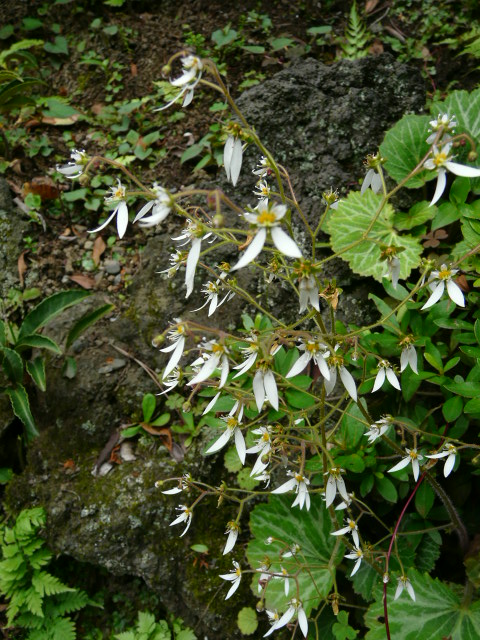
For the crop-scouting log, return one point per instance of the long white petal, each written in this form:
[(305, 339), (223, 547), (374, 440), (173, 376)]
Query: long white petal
[(284, 243), (330, 382), (302, 621), (270, 387), (410, 590), (259, 389), (379, 380), (240, 445), (245, 366), (212, 403), (404, 462), (227, 154), (236, 163), (436, 295), (289, 485), (299, 365), (253, 249), (330, 491), (144, 210), (440, 188), (392, 378), (285, 619), (102, 226), (323, 366), (231, 540), (224, 371), (122, 218), (399, 590), (192, 260), (462, 170), (206, 371), (455, 293), (233, 588), (221, 442), (175, 357), (449, 464), (348, 382), (342, 489), (172, 492)]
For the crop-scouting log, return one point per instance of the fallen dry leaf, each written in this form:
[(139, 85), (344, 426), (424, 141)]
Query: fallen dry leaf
[(370, 5), (42, 186), (163, 432), (86, 282), (99, 247), (22, 266), (133, 69)]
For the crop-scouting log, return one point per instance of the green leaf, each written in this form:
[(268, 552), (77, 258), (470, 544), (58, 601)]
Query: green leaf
[(36, 370), (424, 499), (21, 408), (427, 554), (59, 45), (129, 432), (466, 389), (418, 214), (309, 529), (404, 146), (446, 214), (232, 461), (459, 190), (48, 309), (364, 580), (436, 613), (299, 399), (86, 321), (341, 629), (69, 368), (386, 489), (12, 364), (192, 152), (353, 426), (254, 48), (75, 195), (149, 403), (5, 475), (351, 220), (36, 341), (472, 406), (452, 408), (466, 107), (247, 621), (161, 420)]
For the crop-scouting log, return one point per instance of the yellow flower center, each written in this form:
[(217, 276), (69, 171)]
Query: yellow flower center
[(298, 477), (440, 158), (266, 218), (444, 274)]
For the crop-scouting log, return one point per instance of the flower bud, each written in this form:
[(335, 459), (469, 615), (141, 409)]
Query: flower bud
[(472, 156)]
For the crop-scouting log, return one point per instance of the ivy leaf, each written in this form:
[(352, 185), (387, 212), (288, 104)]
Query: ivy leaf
[(436, 613), (404, 146), (352, 219), (309, 529)]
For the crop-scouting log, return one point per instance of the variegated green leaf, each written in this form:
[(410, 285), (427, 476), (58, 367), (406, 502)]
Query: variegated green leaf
[(290, 526), (349, 223)]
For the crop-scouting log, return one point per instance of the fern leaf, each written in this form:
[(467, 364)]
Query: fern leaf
[(146, 622), (68, 602), (34, 601), (41, 558), (356, 36), (126, 635), (46, 584)]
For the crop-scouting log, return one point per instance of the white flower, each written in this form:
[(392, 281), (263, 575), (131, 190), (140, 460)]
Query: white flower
[(445, 122), (184, 484), (350, 528), (408, 357), (171, 381), (265, 386), (437, 287), (293, 550), (264, 476), (294, 607), (218, 357), (232, 532), (262, 190), (177, 336), (449, 452), (357, 555), (232, 429), (378, 428), (193, 233), (263, 446), (232, 158), (335, 483), (192, 72), (308, 294), (211, 290), (372, 179), (313, 350), (185, 516), (385, 371), (393, 265), (76, 168), (160, 207), (118, 197), (176, 260), (263, 168), (440, 162), (251, 353), (412, 458), (404, 583), (335, 362), (266, 217), (234, 576), (300, 484)]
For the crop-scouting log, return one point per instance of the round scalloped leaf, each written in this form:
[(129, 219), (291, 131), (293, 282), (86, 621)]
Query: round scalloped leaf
[(247, 621), (289, 526), (404, 146), (436, 613), (351, 220)]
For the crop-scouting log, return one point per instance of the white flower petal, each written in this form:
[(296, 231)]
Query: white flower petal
[(144, 210), (441, 184), (348, 382), (410, 590), (342, 489), (227, 154), (102, 226), (462, 170), (379, 380), (175, 357), (284, 243), (404, 462), (231, 540), (356, 567), (212, 403), (449, 464), (437, 293), (245, 366), (240, 445), (270, 387), (172, 492), (299, 365), (221, 442), (192, 260), (302, 621), (206, 371), (392, 378), (253, 249), (289, 485), (236, 162), (259, 389), (330, 382), (455, 293), (233, 588)]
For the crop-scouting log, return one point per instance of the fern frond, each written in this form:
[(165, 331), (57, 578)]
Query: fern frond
[(67, 603), (356, 36), (46, 585)]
